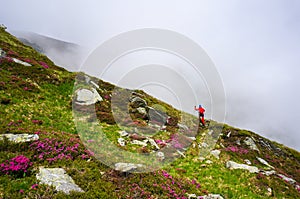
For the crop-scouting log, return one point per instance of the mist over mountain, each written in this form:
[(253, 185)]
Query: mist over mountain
[(66, 54)]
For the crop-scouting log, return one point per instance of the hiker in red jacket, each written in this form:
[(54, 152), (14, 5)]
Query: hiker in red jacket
[(201, 114)]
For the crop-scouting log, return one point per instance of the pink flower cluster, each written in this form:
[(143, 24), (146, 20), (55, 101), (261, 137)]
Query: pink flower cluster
[(17, 165), (43, 64), (236, 149), (175, 141), (52, 150)]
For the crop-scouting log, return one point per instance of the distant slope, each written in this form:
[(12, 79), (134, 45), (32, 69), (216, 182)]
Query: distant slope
[(66, 54), (38, 99)]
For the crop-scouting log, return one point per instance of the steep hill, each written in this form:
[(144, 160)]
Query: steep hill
[(53, 107)]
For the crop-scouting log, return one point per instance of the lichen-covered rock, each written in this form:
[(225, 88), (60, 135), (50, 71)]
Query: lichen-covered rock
[(251, 144), (141, 143), (20, 137), (234, 165), (127, 167), (264, 162), (216, 153), (121, 141), (87, 97), (136, 102), (153, 143), (58, 178)]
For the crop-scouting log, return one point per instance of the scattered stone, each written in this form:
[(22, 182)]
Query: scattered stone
[(142, 111), (216, 153), (153, 143), (20, 137), (137, 102), (123, 133), (182, 126), (88, 97), (234, 165), (192, 138), (211, 196), (269, 191), (208, 162), (248, 162), (21, 62), (160, 155), (2, 53), (94, 84), (250, 142), (204, 145), (210, 132), (121, 141), (58, 178), (87, 79), (238, 142), (287, 179), (264, 162), (228, 135), (127, 167), (180, 153), (137, 142), (201, 158), (268, 173), (190, 196)]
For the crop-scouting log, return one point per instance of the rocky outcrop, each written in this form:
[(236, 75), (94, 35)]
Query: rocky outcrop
[(20, 137), (58, 178)]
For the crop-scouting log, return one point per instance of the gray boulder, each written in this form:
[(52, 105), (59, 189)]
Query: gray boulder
[(58, 178), (158, 116)]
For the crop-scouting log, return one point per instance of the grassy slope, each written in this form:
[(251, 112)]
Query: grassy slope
[(44, 95)]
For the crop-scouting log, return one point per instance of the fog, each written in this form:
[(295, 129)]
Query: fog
[(253, 44)]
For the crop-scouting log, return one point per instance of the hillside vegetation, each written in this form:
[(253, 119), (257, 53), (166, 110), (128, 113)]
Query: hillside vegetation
[(41, 99)]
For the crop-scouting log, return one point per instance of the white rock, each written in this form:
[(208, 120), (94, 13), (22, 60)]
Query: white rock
[(287, 179), (190, 196), (216, 153), (123, 133), (20, 137), (180, 153), (269, 191), (264, 162), (234, 165), (248, 162), (94, 84), (153, 143), (228, 135), (201, 158), (160, 155), (210, 132), (211, 196), (142, 111), (88, 97), (208, 162), (250, 142), (192, 138), (268, 173), (137, 142), (121, 141), (58, 178), (21, 62), (127, 167), (204, 145)]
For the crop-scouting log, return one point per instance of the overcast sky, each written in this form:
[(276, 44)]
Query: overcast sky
[(254, 45)]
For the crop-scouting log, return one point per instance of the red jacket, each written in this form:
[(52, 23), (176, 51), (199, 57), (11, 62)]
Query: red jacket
[(201, 110)]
